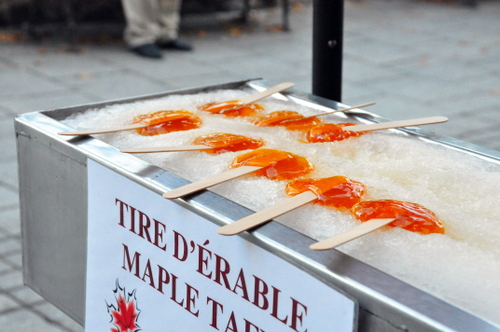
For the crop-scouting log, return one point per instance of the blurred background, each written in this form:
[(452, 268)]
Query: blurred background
[(414, 58)]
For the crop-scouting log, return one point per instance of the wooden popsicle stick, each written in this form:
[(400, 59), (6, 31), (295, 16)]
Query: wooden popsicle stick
[(263, 94), (267, 214), (167, 149), (211, 181), (103, 130), (334, 111), (355, 232), (397, 124)]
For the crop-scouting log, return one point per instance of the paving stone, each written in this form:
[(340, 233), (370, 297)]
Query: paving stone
[(6, 304), (8, 197), (57, 63), (8, 139), (13, 83), (187, 81), (8, 169), (117, 86), (27, 296), (54, 100), (26, 320), (9, 245), (414, 58), (12, 279), (360, 72), (50, 311), (424, 88), (7, 128), (4, 266), (15, 257), (176, 65), (445, 69), (10, 221)]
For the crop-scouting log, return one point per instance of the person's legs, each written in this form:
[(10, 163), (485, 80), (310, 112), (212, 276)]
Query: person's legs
[(141, 26), (142, 29), (168, 18)]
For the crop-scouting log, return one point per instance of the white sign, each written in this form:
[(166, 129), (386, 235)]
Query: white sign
[(155, 266)]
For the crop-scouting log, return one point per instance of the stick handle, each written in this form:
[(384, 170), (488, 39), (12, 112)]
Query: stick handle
[(398, 124), (358, 231), (103, 130), (167, 149), (265, 215), (336, 111), (260, 95), (211, 181)]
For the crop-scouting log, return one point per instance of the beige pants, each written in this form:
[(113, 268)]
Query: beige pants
[(150, 20)]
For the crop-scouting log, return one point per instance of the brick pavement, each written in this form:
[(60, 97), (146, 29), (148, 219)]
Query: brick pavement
[(414, 58)]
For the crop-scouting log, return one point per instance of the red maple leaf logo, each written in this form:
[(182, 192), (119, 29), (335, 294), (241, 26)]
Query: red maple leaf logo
[(124, 315)]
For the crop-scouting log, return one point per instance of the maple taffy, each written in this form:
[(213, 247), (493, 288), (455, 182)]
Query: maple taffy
[(163, 122), (337, 191), (330, 132), (410, 216), (224, 142), (291, 120), (277, 165), (232, 108)]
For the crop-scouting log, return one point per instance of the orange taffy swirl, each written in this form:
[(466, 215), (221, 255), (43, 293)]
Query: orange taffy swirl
[(291, 120), (330, 132), (277, 165), (163, 122), (336, 191), (410, 216), (232, 108), (224, 142)]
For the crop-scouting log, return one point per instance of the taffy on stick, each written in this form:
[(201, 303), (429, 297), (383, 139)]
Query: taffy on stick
[(224, 142), (376, 214), (164, 122), (211, 143), (273, 164), (232, 108), (410, 216), (148, 124), (295, 121), (330, 132), (336, 132), (245, 106), (338, 191), (291, 120)]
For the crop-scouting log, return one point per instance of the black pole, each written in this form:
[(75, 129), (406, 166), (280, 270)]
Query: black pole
[(328, 26)]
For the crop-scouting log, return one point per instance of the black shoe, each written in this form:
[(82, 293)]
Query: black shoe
[(148, 51), (175, 44)]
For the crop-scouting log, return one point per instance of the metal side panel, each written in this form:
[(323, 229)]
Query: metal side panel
[(53, 198)]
